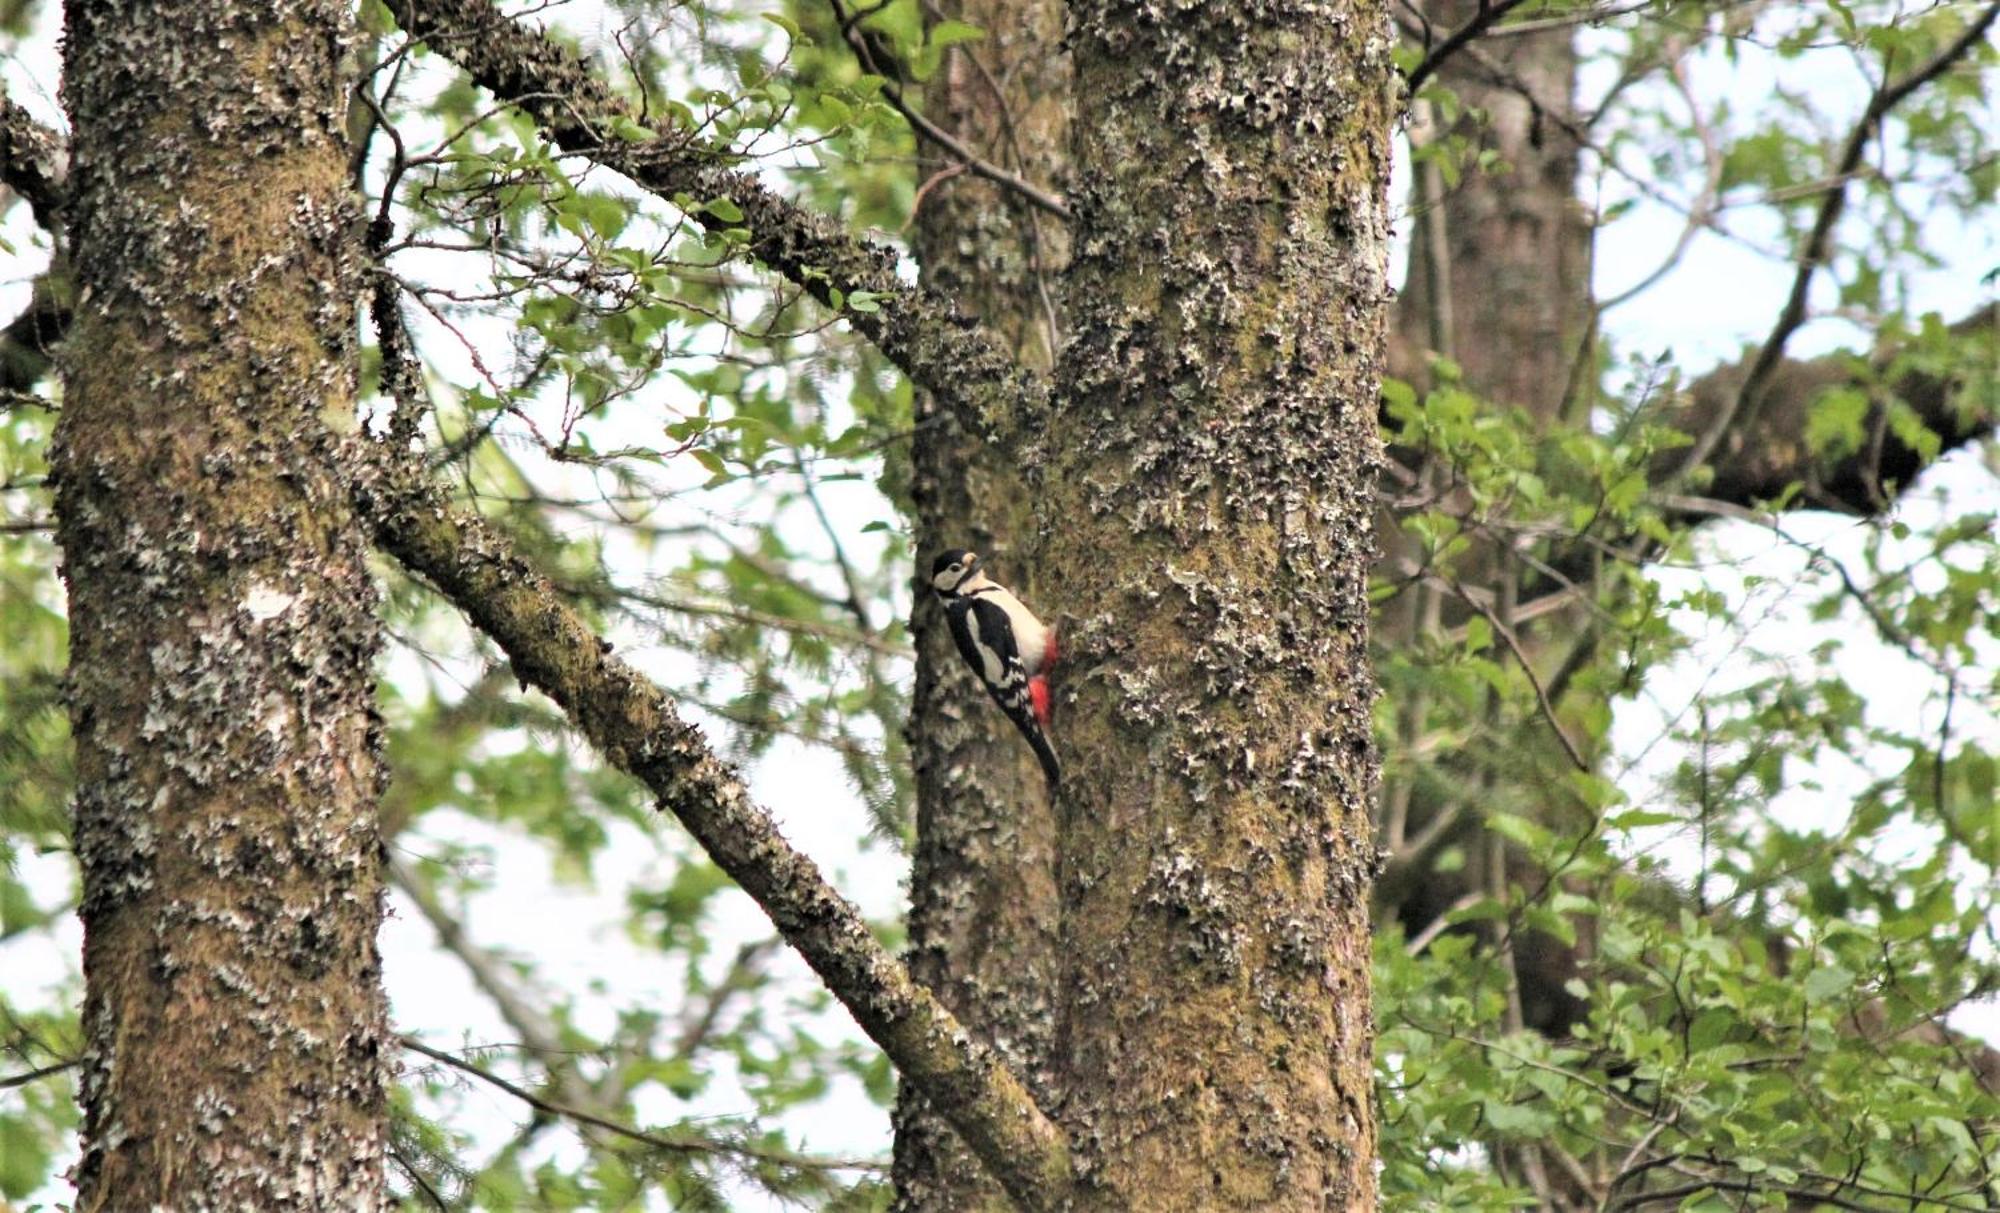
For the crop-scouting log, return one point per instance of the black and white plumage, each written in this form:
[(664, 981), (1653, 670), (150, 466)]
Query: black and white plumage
[(1006, 646)]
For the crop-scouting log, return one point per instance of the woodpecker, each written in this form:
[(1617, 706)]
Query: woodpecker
[(1005, 645)]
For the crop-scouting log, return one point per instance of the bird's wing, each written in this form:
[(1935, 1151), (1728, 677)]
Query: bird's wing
[(985, 638)]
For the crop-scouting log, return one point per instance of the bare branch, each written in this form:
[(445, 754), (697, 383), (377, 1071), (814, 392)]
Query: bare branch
[(637, 728), (528, 1022), (699, 1020), (915, 328), (21, 1080), (1743, 411), (696, 1145), (1489, 12)]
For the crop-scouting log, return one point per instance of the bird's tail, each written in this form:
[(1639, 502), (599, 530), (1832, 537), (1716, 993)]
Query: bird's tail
[(1051, 769)]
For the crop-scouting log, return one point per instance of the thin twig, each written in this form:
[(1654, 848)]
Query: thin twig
[(973, 162), (769, 1154), (847, 574), (1489, 12), (1513, 643), (22, 1080)]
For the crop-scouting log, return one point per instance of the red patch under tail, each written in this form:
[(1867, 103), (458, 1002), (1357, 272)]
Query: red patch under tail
[(1049, 651), (1038, 695)]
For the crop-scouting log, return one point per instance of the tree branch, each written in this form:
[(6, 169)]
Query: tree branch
[(28, 341), (1489, 12), (528, 1022), (1748, 404), (34, 162), (636, 727), (9, 1082), (699, 1145), (915, 328), (1760, 467), (977, 165)]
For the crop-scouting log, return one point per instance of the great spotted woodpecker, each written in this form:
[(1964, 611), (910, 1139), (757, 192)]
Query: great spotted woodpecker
[(1005, 645)]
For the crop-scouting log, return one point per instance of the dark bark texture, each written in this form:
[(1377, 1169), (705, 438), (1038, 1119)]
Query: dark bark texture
[(222, 616), (1208, 488), (1515, 262), (985, 911)]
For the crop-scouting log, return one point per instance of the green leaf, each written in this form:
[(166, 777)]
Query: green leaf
[(1827, 983), (950, 33), (710, 460)]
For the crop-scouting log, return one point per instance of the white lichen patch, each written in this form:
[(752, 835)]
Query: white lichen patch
[(267, 601)]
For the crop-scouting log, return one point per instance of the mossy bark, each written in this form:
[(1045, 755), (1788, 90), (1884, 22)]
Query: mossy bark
[(985, 910), (222, 617), (1210, 474)]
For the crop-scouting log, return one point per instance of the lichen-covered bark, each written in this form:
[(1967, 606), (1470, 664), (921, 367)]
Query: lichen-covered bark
[(222, 617), (1960, 406), (636, 728), (1210, 479), (984, 906), (33, 162)]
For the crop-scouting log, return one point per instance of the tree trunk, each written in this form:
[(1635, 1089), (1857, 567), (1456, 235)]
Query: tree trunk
[(1512, 272), (1498, 280), (1211, 474), (984, 907), (222, 617)]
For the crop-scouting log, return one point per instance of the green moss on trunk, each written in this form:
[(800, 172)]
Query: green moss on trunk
[(1212, 469), (222, 615)]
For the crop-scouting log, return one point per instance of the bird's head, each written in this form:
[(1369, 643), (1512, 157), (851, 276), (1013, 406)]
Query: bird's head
[(951, 568)]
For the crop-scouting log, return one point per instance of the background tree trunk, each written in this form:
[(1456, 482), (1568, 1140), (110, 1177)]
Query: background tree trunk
[(1501, 262), (985, 912), (1498, 281), (222, 616), (1211, 469)]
